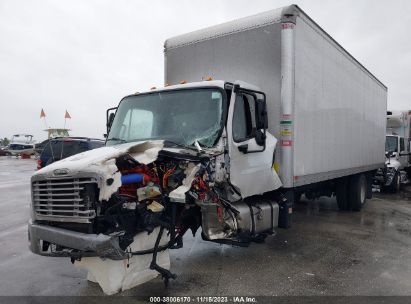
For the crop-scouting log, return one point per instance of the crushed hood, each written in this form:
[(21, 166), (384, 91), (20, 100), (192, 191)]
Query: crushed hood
[(101, 163), (144, 152)]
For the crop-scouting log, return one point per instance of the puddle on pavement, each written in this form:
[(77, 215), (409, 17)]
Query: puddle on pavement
[(380, 216)]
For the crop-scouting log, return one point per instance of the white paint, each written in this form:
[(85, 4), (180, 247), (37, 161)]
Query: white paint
[(114, 276), (146, 152), (262, 178), (102, 161), (339, 108), (393, 163), (179, 194), (225, 29)]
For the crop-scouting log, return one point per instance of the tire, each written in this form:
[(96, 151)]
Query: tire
[(297, 197), (395, 184), (357, 192), (342, 193)]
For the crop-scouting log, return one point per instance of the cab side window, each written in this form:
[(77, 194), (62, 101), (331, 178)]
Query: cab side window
[(402, 145), (244, 117)]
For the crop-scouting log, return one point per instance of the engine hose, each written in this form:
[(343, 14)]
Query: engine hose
[(148, 251), (153, 250)]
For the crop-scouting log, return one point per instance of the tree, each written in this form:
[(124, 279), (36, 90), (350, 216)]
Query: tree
[(5, 141)]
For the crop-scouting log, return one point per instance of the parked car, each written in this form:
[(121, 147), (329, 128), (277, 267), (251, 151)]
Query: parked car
[(63, 147), (39, 147), (4, 152)]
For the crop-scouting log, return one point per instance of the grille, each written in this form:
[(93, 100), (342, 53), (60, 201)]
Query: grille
[(66, 200)]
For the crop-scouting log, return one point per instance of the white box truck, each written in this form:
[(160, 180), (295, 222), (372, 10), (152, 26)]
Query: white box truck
[(289, 112)]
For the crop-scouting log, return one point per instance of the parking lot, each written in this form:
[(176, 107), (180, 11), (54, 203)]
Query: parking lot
[(325, 253)]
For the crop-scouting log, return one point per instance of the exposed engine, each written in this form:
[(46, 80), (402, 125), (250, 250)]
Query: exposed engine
[(145, 200)]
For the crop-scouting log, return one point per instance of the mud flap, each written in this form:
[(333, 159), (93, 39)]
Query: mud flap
[(286, 210), (370, 179)]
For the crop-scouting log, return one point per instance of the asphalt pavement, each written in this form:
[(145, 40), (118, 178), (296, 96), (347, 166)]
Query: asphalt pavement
[(326, 252)]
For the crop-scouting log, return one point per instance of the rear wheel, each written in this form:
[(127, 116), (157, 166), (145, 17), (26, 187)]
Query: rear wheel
[(357, 192), (342, 193)]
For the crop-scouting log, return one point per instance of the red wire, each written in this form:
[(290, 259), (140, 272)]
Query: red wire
[(166, 175)]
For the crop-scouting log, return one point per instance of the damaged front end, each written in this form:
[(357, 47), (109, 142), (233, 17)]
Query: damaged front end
[(77, 212), (97, 210)]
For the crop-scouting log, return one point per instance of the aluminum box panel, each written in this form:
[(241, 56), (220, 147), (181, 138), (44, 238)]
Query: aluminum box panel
[(253, 56), (339, 108)]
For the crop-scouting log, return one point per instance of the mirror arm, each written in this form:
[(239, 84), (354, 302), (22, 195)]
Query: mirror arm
[(243, 148), (264, 146), (255, 151)]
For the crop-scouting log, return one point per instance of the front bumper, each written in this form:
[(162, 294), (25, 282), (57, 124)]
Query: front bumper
[(72, 243)]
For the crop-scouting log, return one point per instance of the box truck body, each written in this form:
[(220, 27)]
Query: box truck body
[(327, 110)]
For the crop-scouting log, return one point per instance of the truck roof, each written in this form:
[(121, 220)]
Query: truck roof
[(188, 85), (283, 14)]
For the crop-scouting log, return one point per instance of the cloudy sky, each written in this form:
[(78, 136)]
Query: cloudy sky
[(85, 55)]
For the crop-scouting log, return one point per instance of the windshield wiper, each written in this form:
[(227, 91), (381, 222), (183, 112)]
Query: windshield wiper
[(197, 145), (117, 139), (180, 145)]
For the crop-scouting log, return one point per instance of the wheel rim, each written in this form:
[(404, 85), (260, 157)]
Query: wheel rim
[(398, 181)]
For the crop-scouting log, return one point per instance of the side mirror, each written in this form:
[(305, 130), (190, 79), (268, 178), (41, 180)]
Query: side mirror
[(110, 113), (257, 107), (260, 137), (261, 117), (261, 121)]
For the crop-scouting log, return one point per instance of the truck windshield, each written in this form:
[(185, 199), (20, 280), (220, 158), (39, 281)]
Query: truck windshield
[(391, 144), (182, 117)]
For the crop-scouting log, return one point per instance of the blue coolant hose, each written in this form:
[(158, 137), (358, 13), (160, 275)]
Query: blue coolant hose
[(132, 178)]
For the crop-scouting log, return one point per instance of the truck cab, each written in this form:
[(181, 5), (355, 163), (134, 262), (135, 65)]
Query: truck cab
[(220, 114), (180, 157), (397, 152)]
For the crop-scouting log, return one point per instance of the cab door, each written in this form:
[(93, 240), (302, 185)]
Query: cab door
[(251, 147)]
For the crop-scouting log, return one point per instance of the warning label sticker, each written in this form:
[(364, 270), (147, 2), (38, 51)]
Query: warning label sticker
[(286, 143)]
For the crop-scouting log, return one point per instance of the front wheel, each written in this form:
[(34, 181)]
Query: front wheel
[(357, 192), (396, 183)]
